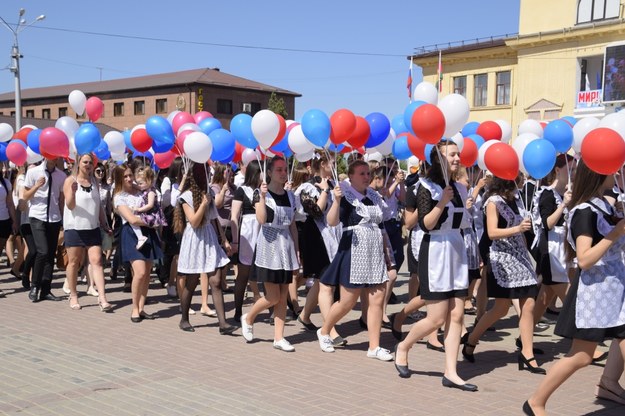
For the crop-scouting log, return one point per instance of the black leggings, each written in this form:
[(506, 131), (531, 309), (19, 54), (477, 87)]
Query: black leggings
[(27, 236)]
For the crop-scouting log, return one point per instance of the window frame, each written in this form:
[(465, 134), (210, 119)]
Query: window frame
[(483, 92), (462, 91), (138, 107), (118, 109), (221, 109), (161, 102), (506, 87)]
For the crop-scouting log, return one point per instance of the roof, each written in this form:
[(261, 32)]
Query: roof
[(42, 123), (427, 52), (208, 76)]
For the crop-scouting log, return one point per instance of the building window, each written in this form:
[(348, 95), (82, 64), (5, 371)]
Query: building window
[(460, 85), (161, 105), (593, 10), (118, 109), (45, 113), (62, 111), (12, 113), (30, 113), (224, 106), (480, 90), (255, 108), (139, 108), (503, 88)]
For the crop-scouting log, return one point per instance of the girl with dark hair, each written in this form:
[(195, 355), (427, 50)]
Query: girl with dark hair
[(594, 309), (195, 217), (443, 269), (277, 252), (359, 267), (245, 228), (510, 272)]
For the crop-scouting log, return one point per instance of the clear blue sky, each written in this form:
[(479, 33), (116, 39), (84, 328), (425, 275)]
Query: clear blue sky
[(55, 54)]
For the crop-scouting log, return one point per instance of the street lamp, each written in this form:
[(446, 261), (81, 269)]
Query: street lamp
[(16, 29)]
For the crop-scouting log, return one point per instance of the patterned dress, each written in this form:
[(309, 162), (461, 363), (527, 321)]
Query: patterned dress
[(154, 217)]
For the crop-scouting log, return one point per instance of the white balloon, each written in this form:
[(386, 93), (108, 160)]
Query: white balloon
[(304, 157), (72, 148), (265, 127), (455, 108), (581, 129), (373, 157), (68, 125), (78, 101), (170, 116), (118, 156), (188, 126), (386, 147), (32, 157), (519, 144), (6, 132), (29, 126), (458, 138), (198, 147), (482, 152), (531, 126), (298, 142), (506, 130), (115, 141), (424, 91), (614, 121), (249, 155)]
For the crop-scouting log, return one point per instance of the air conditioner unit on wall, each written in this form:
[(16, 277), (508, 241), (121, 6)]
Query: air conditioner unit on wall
[(247, 107)]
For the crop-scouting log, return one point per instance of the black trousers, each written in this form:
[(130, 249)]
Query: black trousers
[(46, 236)]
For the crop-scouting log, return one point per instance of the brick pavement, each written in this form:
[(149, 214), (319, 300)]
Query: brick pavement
[(59, 361)]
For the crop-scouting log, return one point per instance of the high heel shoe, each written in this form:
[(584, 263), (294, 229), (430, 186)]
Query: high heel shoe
[(527, 409), (524, 364), (467, 355)]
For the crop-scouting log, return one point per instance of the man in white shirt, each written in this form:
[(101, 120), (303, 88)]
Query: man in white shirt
[(43, 187)]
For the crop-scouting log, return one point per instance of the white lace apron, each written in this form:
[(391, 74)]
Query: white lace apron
[(601, 291), (509, 259), (416, 234), (275, 249), (248, 232), (447, 254)]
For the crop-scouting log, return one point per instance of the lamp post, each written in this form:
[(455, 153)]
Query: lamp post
[(16, 29)]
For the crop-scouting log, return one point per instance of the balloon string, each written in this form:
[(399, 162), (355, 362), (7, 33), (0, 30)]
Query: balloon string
[(335, 175), (443, 169), (388, 172), (207, 177), (568, 171)]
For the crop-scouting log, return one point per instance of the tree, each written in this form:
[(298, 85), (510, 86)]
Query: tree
[(277, 105)]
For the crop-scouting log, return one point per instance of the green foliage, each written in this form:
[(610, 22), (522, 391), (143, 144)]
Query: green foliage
[(277, 105)]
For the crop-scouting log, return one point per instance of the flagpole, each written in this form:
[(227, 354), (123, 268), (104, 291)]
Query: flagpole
[(440, 72), (409, 82)]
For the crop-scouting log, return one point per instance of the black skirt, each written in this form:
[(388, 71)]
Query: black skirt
[(498, 292), (82, 238), (312, 248), (413, 262)]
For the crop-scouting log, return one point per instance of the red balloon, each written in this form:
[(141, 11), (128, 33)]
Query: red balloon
[(141, 140), (238, 151), (343, 124), (179, 144), (163, 160), (489, 130), (200, 116), (94, 108), (361, 133), (603, 151), (22, 134), (53, 143), (469, 153), (281, 132), (179, 119), (428, 123), (415, 144), (16, 153), (502, 161)]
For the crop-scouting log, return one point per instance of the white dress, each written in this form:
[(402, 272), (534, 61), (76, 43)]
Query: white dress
[(200, 251)]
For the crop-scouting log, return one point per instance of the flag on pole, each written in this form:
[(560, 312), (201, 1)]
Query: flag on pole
[(409, 81), (439, 73), (587, 82)]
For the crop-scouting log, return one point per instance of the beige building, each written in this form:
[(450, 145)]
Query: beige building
[(131, 101), (538, 73)]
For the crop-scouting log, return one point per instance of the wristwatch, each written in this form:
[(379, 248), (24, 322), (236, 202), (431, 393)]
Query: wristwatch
[(327, 190)]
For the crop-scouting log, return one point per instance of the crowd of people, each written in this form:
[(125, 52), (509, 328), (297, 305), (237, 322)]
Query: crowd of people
[(283, 224)]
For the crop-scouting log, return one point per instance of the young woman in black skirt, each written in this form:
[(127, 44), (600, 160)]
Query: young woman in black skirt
[(594, 308)]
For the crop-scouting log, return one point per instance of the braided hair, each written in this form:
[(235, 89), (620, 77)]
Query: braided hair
[(194, 178)]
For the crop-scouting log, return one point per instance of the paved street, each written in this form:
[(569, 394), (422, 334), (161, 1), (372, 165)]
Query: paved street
[(59, 361)]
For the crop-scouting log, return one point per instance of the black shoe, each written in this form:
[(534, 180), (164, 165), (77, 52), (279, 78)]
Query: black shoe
[(185, 326), (387, 325), (33, 295), (227, 330), (536, 351), (25, 282), (49, 296), (398, 335), (524, 364), (136, 319), (434, 347), (552, 312), (17, 276), (392, 300), (148, 316), (600, 358), (309, 326), (339, 341), (464, 387), (362, 323), (527, 409), (467, 356), (403, 370)]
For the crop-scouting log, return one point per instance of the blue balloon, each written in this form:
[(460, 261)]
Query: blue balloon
[(408, 112), (223, 144), (479, 140), (3, 152), (399, 126), (560, 134), (126, 134), (428, 153), (87, 138), (282, 145), (241, 128), (572, 120), (102, 151), (401, 151), (470, 128), (147, 155), (209, 124), (227, 159), (160, 131), (288, 152), (539, 158), (316, 127), (33, 140), (380, 128), (335, 147)]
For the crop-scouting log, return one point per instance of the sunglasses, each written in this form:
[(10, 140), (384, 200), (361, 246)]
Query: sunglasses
[(98, 171)]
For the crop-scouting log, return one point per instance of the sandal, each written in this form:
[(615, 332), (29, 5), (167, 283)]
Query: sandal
[(76, 306)]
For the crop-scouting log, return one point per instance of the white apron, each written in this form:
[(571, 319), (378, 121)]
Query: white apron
[(248, 232), (447, 254), (601, 292), (556, 239), (275, 249)]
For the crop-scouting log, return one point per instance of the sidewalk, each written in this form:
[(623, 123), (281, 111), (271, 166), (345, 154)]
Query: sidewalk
[(59, 361)]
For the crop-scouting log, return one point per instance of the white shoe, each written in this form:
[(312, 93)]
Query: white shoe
[(380, 353), (283, 345), (141, 242), (92, 291), (171, 291), (66, 288), (325, 342), (191, 311), (246, 329)]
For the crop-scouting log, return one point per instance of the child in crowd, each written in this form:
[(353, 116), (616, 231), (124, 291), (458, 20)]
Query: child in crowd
[(150, 212)]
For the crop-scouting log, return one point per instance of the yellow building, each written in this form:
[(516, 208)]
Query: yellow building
[(538, 73)]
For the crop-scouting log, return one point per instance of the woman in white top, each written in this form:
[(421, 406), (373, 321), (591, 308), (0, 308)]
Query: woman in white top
[(83, 217)]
